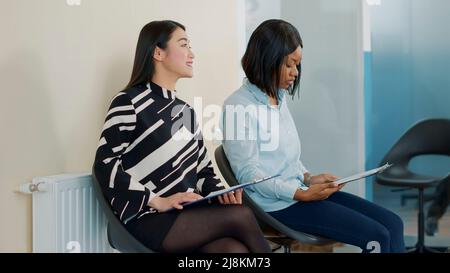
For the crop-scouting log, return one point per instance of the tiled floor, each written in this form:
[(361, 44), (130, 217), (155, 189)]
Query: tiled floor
[(391, 200)]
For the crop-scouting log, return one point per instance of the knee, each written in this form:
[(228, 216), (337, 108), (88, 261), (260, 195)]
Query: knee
[(395, 223), (381, 235), (246, 212), (243, 215), (233, 246), (377, 240), (398, 222)]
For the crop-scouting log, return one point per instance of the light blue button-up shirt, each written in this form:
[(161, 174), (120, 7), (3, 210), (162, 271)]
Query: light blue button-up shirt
[(261, 140)]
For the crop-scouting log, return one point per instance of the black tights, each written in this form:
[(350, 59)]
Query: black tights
[(216, 229)]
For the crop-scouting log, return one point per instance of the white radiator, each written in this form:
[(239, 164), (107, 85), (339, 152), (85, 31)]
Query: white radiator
[(66, 215)]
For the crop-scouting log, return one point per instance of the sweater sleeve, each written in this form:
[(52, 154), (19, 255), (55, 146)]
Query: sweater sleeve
[(126, 195), (207, 179)]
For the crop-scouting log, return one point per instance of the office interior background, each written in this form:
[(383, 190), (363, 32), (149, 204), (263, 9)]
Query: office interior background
[(371, 69)]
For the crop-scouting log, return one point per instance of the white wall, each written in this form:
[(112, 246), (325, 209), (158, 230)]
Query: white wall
[(330, 114), (59, 67), (257, 11)]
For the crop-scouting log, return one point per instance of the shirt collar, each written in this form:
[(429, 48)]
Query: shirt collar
[(163, 92), (261, 96)]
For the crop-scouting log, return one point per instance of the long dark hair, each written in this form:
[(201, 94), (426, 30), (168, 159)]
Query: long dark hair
[(154, 34), (269, 45)]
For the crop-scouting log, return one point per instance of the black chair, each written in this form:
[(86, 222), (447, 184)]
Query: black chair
[(427, 137), (118, 236), (287, 235)]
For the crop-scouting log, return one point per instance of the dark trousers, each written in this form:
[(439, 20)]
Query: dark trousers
[(348, 219), (441, 201)]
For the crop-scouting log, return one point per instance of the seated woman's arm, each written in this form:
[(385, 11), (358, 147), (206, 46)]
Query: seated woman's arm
[(207, 179), (126, 196), (243, 156)]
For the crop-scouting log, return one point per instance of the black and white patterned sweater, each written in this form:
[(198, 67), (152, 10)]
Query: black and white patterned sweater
[(151, 145)]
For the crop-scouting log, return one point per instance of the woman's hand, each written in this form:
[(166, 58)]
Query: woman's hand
[(325, 178), (176, 200), (316, 192), (231, 197), (322, 178)]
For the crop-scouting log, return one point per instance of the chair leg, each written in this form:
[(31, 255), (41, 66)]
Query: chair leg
[(276, 248), (420, 246), (287, 248), (421, 223), (426, 249)]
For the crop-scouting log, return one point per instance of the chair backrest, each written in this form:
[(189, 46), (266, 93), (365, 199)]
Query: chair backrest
[(118, 236), (427, 137), (263, 217), (430, 136)]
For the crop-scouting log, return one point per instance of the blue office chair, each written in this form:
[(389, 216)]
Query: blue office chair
[(118, 236), (267, 222), (427, 137)]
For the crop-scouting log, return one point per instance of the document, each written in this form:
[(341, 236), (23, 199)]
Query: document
[(362, 175), (230, 189)]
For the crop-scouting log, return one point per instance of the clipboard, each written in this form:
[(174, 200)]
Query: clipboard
[(362, 175), (230, 189)]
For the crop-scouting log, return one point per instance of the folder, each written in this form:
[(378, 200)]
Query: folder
[(230, 189), (362, 175)]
